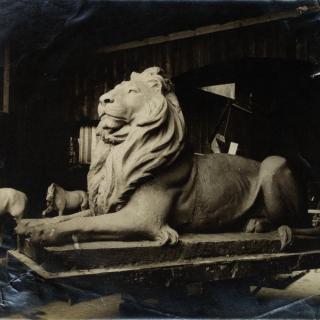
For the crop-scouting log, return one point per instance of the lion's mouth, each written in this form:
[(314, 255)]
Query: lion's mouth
[(111, 123), (112, 129), (112, 116)]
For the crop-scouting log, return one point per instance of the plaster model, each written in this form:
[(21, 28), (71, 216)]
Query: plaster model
[(144, 183), (13, 202), (59, 200)]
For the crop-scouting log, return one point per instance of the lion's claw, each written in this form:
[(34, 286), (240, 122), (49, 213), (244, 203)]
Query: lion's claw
[(42, 236), (257, 225), (167, 235), (286, 237)]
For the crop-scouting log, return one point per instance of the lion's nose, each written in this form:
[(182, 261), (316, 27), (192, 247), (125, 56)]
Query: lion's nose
[(107, 99)]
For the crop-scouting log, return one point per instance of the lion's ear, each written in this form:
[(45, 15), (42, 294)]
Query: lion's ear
[(134, 75)]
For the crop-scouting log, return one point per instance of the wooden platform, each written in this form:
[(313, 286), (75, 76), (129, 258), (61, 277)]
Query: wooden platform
[(196, 258)]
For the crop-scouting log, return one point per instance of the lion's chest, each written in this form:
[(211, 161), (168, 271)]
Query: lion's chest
[(98, 192), (107, 197), (101, 200)]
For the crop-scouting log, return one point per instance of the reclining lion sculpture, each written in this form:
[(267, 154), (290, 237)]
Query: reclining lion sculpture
[(144, 183)]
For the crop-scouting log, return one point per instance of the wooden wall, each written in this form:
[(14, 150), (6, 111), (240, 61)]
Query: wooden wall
[(49, 107), (278, 40)]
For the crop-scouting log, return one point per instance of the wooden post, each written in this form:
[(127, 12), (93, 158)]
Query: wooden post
[(6, 79)]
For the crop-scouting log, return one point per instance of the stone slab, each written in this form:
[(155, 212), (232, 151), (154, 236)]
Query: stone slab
[(212, 256), (197, 270), (120, 253)]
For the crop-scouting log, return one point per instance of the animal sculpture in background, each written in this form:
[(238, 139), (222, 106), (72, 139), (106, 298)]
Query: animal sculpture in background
[(59, 199), (13, 202)]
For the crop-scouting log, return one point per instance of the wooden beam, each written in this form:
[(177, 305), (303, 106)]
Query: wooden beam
[(294, 13), (6, 79), (182, 272)]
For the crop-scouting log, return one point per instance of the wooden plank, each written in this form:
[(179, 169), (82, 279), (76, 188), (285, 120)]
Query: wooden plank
[(314, 211), (191, 247), (202, 270), (293, 13), (6, 79)]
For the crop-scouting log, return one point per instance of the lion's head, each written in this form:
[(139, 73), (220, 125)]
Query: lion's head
[(51, 192), (141, 129)]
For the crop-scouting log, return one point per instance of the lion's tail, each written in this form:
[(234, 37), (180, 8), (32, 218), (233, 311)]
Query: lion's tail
[(288, 234)]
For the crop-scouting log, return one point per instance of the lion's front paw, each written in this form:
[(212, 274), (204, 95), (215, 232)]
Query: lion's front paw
[(167, 235), (20, 229), (23, 226), (43, 235)]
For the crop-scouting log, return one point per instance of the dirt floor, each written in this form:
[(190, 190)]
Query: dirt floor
[(101, 308), (300, 299)]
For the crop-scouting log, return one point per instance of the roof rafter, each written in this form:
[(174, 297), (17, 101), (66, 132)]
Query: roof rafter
[(288, 14)]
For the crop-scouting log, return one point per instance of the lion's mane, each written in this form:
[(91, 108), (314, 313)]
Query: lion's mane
[(125, 159)]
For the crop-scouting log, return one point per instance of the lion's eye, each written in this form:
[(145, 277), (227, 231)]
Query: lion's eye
[(132, 90)]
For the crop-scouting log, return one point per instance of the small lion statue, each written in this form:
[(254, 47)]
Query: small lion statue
[(59, 199), (144, 183)]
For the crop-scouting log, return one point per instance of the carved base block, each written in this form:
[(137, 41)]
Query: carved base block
[(197, 257)]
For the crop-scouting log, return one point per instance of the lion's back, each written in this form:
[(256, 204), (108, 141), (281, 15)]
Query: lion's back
[(224, 165)]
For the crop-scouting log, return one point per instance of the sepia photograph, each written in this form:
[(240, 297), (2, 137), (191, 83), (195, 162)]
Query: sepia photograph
[(159, 159)]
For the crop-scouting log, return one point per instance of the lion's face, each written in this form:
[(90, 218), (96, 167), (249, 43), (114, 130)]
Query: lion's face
[(125, 104)]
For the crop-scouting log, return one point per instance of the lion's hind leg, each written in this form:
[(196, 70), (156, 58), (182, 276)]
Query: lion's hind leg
[(167, 235), (283, 200), (282, 196)]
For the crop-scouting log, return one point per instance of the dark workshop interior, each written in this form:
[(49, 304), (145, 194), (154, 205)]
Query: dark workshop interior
[(57, 57)]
